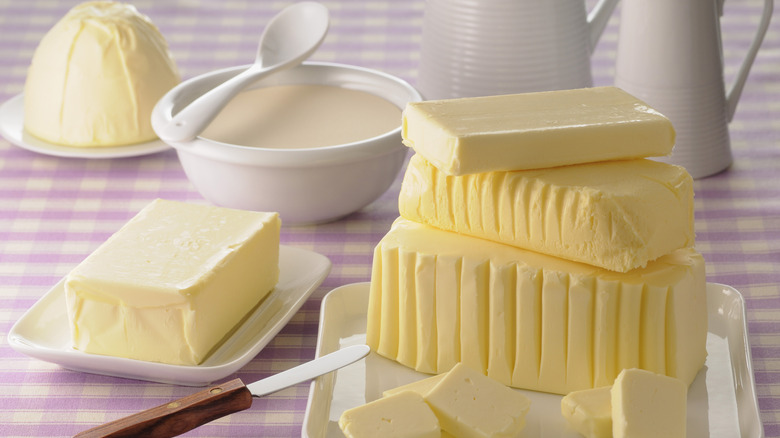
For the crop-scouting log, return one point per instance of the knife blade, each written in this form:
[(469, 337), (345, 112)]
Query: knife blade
[(187, 413)]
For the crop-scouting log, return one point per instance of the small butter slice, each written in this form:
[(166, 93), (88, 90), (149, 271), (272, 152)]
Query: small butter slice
[(420, 387), (173, 282), (402, 415), (535, 130), (589, 412), (648, 405), (617, 215), (470, 405)]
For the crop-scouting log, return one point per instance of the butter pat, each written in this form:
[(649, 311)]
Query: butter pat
[(403, 415), (617, 215), (173, 282), (535, 130), (530, 320), (470, 405), (96, 76), (648, 405), (420, 387), (589, 411)]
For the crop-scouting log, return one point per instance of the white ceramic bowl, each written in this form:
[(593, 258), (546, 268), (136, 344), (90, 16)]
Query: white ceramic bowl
[(304, 185)]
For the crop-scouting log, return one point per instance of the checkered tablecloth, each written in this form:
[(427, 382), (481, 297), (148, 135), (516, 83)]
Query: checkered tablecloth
[(55, 211)]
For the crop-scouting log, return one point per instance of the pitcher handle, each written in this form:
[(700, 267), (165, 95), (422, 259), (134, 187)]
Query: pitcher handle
[(734, 93), (597, 20)]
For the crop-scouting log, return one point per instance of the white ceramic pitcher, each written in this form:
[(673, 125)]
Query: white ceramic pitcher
[(670, 55), (487, 47)]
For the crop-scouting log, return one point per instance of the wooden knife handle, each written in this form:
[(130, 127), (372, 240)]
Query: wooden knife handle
[(179, 416)]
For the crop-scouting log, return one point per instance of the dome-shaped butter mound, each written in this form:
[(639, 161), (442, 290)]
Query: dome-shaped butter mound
[(96, 76)]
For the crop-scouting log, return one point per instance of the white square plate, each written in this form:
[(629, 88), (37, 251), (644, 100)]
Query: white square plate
[(721, 400), (43, 332)]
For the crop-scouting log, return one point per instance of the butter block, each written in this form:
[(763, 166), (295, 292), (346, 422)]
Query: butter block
[(470, 405), (617, 215), (589, 411), (648, 405), (173, 282), (402, 415), (535, 130), (530, 320), (96, 76)]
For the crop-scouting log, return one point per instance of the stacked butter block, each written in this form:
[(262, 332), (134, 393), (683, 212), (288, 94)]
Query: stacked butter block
[(537, 244)]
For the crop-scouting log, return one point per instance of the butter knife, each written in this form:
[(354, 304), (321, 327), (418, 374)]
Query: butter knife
[(187, 413)]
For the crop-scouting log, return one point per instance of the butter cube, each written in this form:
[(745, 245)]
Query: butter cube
[(173, 282), (402, 415), (470, 405), (589, 411), (617, 215), (648, 405), (529, 320), (535, 130)]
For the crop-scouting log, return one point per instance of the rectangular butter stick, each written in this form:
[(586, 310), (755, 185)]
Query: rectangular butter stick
[(173, 282), (618, 215), (530, 320), (535, 130)]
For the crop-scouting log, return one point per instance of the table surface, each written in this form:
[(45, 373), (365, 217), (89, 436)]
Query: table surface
[(55, 211)]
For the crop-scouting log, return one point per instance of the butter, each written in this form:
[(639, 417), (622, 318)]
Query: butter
[(535, 130), (617, 215), (420, 387), (403, 415), (172, 282), (589, 411), (470, 405), (96, 76), (530, 320), (648, 405)]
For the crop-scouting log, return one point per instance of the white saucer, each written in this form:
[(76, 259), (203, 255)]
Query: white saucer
[(12, 128), (43, 332)]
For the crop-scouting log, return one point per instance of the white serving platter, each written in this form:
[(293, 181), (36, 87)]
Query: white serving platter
[(12, 128), (722, 400), (43, 332)]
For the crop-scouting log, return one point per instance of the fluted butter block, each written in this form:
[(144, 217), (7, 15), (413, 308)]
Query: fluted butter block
[(530, 320), (535, 130), (173, 282), (617, 215)]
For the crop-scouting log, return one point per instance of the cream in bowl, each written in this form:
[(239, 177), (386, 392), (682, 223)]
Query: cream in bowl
[(314, 143)]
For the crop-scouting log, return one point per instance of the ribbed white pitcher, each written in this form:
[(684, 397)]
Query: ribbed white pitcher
[(670, 55), (488, 47)]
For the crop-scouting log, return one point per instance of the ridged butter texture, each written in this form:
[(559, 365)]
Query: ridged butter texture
[(618, 215), (172, 282), (96, 76), (530, 320), (535, 130)]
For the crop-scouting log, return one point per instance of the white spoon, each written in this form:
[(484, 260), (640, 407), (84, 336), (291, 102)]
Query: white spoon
[(290, 37)]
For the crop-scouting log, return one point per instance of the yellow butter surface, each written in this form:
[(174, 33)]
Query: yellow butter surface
[(96, 76), (420, 387), (173, 282), (530, 320), (648, 405), (589, 411), (535, 130), (471, 405), (617, 215), (402, 415)]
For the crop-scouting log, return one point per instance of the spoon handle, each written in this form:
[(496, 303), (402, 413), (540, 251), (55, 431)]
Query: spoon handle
[(195, 117)]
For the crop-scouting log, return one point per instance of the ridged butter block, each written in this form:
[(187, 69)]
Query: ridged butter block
[(618, 215), (529, 320)]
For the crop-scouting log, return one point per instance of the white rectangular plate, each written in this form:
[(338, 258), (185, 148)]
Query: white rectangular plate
[(721, 400), (43, 332)]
